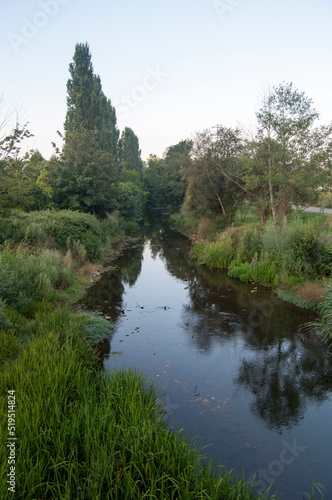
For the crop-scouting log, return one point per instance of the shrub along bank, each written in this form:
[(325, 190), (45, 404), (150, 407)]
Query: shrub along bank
[(80, 433)]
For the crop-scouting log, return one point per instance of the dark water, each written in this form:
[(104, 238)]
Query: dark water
[(237, 374)]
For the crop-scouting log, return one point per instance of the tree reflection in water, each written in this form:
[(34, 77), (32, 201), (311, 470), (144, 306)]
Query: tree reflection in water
[(283, 370)]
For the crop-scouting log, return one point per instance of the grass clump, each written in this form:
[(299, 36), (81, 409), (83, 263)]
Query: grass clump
[(325, 309), (27, 277)]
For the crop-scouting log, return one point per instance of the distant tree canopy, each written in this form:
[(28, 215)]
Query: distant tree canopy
[(164, 177)]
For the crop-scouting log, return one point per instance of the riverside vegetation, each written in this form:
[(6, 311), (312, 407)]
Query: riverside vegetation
[(81, 433), (295, 260)]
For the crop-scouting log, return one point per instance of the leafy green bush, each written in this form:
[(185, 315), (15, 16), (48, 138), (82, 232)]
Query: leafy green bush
[(57, 228), (264, 271), (96, 329), (248, 242), (5, 322), (271, 255), (130, 201), (325, 199), (131, 227)]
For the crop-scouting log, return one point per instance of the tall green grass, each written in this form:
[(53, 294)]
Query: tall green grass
[(84, 434), (325, 323), (27, 278), (275, 256), (60, 230)]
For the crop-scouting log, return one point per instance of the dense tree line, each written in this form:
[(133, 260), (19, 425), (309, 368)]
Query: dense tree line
[(99, 171)]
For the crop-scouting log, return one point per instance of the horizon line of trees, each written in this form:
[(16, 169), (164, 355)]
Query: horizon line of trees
[(98, 171)]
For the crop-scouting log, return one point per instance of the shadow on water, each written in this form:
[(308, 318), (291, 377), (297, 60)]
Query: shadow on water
[(236, 370)]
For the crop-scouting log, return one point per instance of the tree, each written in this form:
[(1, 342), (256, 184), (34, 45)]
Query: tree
[(212, 173), (87, 106), (284, 164), (177, 158), (288, 153), (84, 176), (15, 187), (131, 201), (129, 152), (164, 177)]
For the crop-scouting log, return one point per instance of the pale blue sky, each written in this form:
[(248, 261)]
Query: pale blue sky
[(170, 68)]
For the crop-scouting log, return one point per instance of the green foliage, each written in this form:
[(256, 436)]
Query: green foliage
[(325, 199), (215, 254), (164, 177), (241, 270), (88, 109), (282, 166), (84, 178), (25, 277), (131, 227), (129, 152), (5, 322), (130, 201), (96, 329), (325, 309), (291, 297), (61, 230), (284, 162), (213, 160), (271, 255), (9, 345)]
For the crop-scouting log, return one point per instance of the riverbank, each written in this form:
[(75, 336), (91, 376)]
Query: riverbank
[(295, 261), (74, 431)]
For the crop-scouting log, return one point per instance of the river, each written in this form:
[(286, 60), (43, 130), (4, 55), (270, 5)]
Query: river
[(236, 373)]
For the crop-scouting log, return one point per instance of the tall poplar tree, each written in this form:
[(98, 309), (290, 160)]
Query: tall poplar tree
[(88, 170)]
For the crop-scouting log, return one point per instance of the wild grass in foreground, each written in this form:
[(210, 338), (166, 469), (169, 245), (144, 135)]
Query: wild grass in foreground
[(86, 434)]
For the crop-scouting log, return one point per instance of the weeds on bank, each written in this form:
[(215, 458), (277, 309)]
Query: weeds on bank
[(270, 255)]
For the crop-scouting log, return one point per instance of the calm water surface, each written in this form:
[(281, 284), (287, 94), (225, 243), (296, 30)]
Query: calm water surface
[(237, 374)]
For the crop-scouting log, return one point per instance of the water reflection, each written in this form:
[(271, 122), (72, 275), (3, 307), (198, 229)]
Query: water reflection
[(284, 377), (237, 343), (281, 368)]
